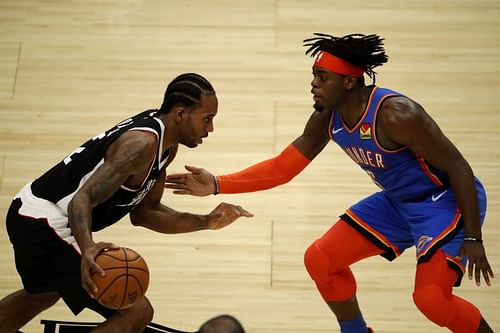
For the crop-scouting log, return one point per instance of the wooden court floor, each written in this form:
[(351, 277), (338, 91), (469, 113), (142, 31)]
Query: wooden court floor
[(70, 69)]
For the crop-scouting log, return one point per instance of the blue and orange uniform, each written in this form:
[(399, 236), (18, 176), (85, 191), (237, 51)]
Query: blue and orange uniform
[(416, 205)]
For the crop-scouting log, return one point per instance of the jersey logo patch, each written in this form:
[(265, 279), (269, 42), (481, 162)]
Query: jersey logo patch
[(438, 196), (365, 131), (422, 241), (336, 130), (140, 195)]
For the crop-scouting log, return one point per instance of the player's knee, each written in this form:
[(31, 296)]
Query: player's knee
[(43, 300), (51, 299), (148, 311), (141, 313), (317, 263), (431, 301)]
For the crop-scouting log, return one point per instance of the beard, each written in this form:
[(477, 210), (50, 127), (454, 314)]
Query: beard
[(188, 143), (318, 107)]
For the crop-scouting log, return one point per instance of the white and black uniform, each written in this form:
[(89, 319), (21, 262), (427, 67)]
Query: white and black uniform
[(46, 253)]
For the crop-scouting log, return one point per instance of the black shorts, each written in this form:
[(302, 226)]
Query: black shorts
[(46, 262)]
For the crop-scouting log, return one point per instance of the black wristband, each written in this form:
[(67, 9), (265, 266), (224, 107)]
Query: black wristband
[(473, 239), (216, 185)]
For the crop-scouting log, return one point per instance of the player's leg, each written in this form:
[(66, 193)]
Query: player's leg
[(436, 226), (373, 226), (327, 261), (20, 307), (131, 320), (36, 296), (434, 298)]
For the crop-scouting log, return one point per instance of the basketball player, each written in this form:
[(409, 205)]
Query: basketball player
[(120, 171), (429, 196)]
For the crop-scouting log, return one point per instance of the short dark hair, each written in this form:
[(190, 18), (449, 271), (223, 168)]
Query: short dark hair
[(222, 324), (187, 90), (365, 51)]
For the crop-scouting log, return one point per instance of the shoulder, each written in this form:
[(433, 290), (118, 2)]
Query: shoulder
[(405, 122), (138, 147), (400, 110)]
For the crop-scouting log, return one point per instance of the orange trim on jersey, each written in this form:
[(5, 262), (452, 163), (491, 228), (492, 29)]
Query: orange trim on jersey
[(360, 121), (456, 262), (427, 171), (375, 128), (373, 232), (443, 234)]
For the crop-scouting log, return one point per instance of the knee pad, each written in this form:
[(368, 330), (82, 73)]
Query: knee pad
[(431, 301), (452, 312), (333, 284), (317, 263)]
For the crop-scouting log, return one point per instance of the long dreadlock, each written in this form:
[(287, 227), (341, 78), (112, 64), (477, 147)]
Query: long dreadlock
[(365, 51)]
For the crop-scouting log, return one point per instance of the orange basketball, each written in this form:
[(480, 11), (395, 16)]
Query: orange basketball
[(126, 279)]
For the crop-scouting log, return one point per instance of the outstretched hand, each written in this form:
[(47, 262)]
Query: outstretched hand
[(90, 267), (478, 263), (225, 214), (198, 182)]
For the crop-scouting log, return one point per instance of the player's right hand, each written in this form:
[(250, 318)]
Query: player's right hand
[(198, 182), (225, 214), (90, 267)]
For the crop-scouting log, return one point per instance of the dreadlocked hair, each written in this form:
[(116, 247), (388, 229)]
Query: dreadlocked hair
[(365, 51), (186, 90)]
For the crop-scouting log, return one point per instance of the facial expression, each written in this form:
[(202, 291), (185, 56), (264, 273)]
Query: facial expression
[(198, 121), (327, 88)]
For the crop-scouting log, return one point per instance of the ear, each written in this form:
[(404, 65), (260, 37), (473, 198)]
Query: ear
[(350, 82), (180, 113)]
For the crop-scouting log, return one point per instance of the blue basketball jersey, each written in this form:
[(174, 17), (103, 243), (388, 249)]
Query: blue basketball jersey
[(417, 207), (402, 174)]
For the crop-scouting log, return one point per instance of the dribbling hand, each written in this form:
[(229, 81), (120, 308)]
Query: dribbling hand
[(89, 266)]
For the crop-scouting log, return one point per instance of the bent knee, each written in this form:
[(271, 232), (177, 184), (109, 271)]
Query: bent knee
[(46, 300), (431, 301), (321, 265), (147, 310), (335, 283), (317, 263)]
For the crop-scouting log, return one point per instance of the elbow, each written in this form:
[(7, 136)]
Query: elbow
[(463, 167), (135, 219), (75, 204), (81, 201)]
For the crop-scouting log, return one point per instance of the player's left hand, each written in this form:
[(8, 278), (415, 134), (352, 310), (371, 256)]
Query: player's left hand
[(477, 262), (225, 214), (198, 182)]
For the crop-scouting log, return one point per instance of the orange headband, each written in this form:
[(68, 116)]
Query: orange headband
[(335, 64)]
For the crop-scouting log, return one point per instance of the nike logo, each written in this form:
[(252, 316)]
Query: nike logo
[(438, 196), (335, 131)]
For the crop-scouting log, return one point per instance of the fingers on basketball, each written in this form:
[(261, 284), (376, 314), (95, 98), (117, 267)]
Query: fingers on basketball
[(126, 279)]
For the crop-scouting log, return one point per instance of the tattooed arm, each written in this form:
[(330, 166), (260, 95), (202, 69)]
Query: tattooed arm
[(127, 161)]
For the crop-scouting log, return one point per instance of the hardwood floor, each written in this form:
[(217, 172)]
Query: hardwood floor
[(70, 69)]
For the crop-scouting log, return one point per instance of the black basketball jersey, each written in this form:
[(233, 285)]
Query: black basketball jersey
[(59, 184)]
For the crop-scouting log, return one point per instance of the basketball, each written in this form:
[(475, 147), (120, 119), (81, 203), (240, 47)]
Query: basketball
[(126, 279)]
